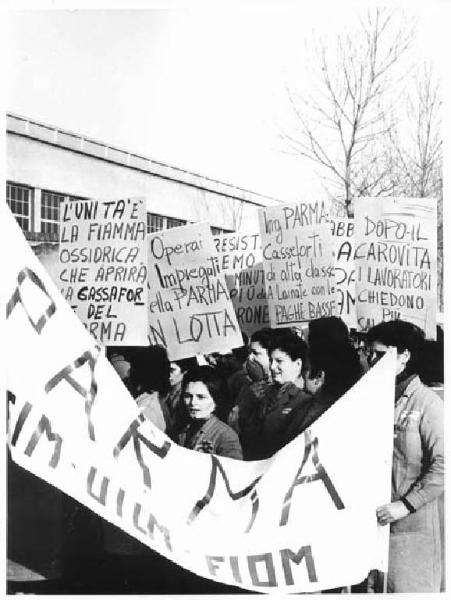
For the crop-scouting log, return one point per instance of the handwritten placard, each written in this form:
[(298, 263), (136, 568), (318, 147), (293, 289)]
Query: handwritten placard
[(240, 259), (300, 521), (344, 247), (190, 310), (102, 270), (396, 260), (298, 262)]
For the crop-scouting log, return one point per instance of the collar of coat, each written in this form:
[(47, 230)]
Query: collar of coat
[(288, 389), (281, 395), (407, 386), (206, 425)]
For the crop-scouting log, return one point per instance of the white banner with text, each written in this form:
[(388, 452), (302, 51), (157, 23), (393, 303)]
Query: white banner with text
[(301, 521)]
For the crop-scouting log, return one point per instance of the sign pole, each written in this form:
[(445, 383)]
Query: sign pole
[(384, 582)]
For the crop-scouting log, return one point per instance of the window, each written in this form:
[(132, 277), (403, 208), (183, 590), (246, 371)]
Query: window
[(50, 212), (218, 230), (154, 222), (19, 199), (170, 222)]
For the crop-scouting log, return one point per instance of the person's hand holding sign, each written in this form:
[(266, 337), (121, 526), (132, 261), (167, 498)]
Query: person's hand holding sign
[(387, 513)]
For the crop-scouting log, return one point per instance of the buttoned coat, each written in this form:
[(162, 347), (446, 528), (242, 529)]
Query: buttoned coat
[(417, 476), (266, 425)]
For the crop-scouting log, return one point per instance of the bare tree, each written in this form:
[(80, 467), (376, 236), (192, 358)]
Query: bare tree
[(416, 147), (416, 143), (230, 210), (341, 122)]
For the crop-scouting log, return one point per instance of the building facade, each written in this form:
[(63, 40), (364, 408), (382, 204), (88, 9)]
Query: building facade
[(46, 164)]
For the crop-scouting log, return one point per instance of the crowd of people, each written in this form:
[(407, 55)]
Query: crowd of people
[(249, 403), (257, 397)]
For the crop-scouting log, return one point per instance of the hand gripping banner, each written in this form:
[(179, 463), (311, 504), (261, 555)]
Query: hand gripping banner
[(301, 521)]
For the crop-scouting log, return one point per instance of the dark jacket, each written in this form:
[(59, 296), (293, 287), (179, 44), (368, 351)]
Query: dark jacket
[(235, 383), (249, 421), (212, 437), (265, 428), (176, 415), (308, 412)]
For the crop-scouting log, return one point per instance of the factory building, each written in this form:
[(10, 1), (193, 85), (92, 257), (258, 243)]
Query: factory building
[(46, 164)]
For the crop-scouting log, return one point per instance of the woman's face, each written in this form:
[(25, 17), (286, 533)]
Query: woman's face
[(198, 400), (175, 374), (259, 355), (283, 368), (376, 351)]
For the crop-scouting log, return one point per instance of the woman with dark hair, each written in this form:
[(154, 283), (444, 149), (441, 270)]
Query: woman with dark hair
[(327, 330), (204, 432), (418, 464), (269, 431), (331, 369), (247, 402), (172, 401), (329, 373), (258, 360)]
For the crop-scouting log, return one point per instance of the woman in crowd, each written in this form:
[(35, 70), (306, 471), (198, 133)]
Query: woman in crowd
[(327, 330), (418, 465), (204, 432), (231, 368), (245, 413), (266, 431), (173, 400), (432, 374), (329, 374), (257, 365)]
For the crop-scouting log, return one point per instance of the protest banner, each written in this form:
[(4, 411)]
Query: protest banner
[(190, 310), (298, 262), (344, 247), (102, 269), (396, 261), (240, 259), (301, 521)]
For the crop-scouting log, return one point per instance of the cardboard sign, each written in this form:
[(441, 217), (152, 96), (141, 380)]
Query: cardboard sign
[(396, 261), (102, 269), (301, 521), (190, 311), (298, 262), (240, 259), (344, 247)]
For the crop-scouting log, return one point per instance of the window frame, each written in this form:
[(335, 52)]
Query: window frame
[(20, 217), (46, 220)]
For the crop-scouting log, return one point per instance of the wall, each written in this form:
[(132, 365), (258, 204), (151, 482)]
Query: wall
[(51, 167)]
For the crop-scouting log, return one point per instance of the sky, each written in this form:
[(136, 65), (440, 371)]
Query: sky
[(201, 89)]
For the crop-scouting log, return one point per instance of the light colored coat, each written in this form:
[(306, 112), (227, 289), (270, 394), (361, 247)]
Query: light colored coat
[(417, 476)]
